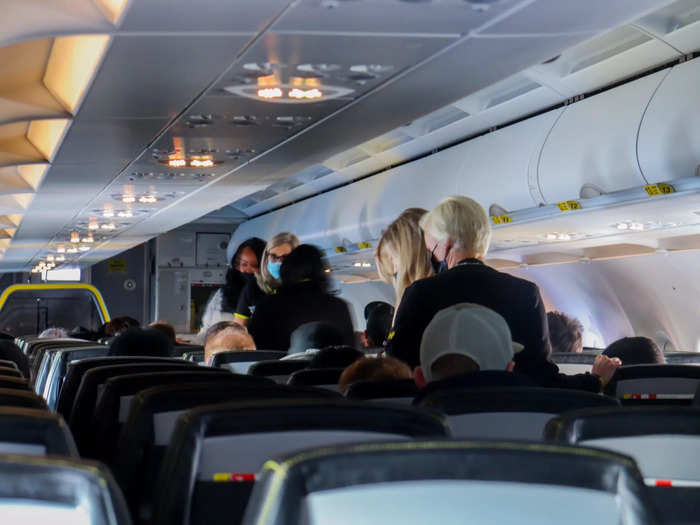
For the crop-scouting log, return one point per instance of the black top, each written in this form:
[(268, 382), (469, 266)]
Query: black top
[(517, 300), (278, 315), (248, 300)]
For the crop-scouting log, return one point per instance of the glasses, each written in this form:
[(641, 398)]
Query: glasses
[(277, 258)]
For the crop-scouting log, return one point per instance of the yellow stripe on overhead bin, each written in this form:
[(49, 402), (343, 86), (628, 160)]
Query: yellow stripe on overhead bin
[(74, 286)]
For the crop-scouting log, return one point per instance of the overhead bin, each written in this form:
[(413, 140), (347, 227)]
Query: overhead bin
[(669, 137), (491, 169), (595, 142)]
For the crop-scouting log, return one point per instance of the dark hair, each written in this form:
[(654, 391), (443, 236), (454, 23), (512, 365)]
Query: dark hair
[(314, 335), (165, 328), (9, 351), (138, 342), (636, 351), (565, 333), (304, 266), (373, 369), (235, 281), (369, 308), (379, 324), (120, 324), (335, 357)]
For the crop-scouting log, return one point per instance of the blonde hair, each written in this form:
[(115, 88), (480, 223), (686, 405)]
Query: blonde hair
[(461, 220), (266, 282), (404, 242)]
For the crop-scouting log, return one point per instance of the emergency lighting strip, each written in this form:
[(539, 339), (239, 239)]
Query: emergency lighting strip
[(654, 482)]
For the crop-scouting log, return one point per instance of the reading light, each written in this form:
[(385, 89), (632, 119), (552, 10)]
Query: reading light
[(147, 199), (60, 258), (125, 214), (89, 239), (50, 258), (108, 213), (269, 93), (206, 163), (84, 248), (302, 94), (61, 249), (72, 249), (75, 238), (366, 265), (177, 163), (93, 225), (128, 199), (108, 226)]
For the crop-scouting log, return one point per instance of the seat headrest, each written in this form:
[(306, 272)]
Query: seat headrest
[(460, 400), (277, 368), (36, 427), (382, 389), (245, 356), (316, 376), (20, 398), (600, 423)]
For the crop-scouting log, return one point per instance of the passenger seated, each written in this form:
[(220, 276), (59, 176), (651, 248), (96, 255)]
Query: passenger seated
[(458, 233), (378, 325), (471, 345), (233, 336), (636, 351), (314, 336), (373, 369), (166, 329), (9, 351), (302, 298), (565, 333), (54, 333), (138, 342), (335, 357), (119, 325)]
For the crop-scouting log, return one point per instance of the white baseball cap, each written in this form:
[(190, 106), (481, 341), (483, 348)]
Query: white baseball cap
[(470, 330)]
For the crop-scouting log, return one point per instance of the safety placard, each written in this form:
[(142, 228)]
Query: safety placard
[(364, 245), (654, 190), (569, 205), (116, 266), (501, 219), (340, 249)]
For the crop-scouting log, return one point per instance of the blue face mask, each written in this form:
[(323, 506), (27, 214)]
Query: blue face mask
[(274, 269)]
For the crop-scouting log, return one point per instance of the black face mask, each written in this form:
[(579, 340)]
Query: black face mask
[(247, 277)]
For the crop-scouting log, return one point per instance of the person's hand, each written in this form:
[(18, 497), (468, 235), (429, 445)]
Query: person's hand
[(604, 367)]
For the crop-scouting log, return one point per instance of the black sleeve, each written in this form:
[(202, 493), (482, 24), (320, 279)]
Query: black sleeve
[(257, 329), (535, 360), (246, 300), (412, 318), (345, 324)]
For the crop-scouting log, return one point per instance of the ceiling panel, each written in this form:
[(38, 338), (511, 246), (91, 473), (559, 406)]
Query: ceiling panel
[(548, 16), (148, 76), (201, 15), (390, 16)]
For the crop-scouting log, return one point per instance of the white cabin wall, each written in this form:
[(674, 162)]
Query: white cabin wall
[(358, 295)]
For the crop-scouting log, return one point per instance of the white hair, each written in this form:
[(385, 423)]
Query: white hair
[(461, 220), (54, 333)]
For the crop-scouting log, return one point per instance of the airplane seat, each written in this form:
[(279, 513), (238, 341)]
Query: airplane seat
[(22, 399), (391, 391), (92, 386), (450, 482), (14, 382), (682, 358), (38, 349), (180, 349), (33, 432), (202, 482), (8, 364), (664, 441), (10, 372), (506, 412), (59, 490), (278, 371), (240, 361), (152, 418), (195, 356), (650, 385), (76, 370), (319, 377), (112, 408)]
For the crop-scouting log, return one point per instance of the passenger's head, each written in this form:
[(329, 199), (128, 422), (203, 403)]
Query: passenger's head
[(462, 339), (120, 324), (401, 255), (305, 265), (565, 333), (231, 337), (314, 335), (54, 333), (457, 224), (274, 255), (9, 351), (248, 256), (165, 328), (373, 369), (335, 357), (138, 342), (379, 325), (636, 351)]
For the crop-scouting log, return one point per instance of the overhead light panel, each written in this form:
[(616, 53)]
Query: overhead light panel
[(147, 199), (61, 249), (84, 248), (108, 226), (89, 239), (93, 225), (127, 199), (268, 93), (125, 214), (177, 163), (305, 94), (72, 249), (60, 258), (75, 237), (202, 163)]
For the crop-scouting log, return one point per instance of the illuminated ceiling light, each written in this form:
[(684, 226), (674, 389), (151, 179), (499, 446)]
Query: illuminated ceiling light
[(89, 239), (357, 265), (108, 213), (204, 163), (61, 249), (177, 163), (551, 236), (125, 214), (366, 265), (268, 93), (75, 237), (108, 226), (327, 270), (93, 225), (637, 227), (50, 258), (309, 94), (72, 249), (127, 199), (564, 237), (84, 248), (147, 199), (623, 226), (60, 258)]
